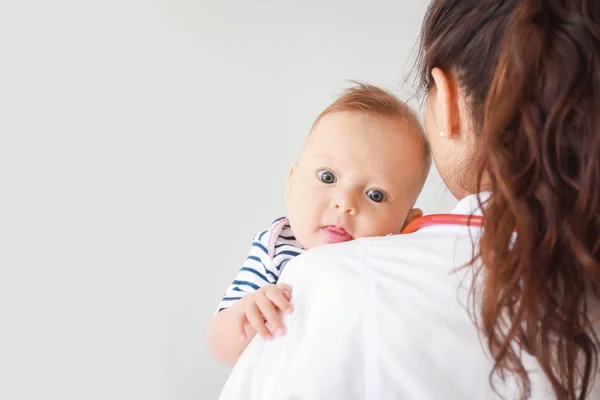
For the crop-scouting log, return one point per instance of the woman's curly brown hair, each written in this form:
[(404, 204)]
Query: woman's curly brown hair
[(531, 72)]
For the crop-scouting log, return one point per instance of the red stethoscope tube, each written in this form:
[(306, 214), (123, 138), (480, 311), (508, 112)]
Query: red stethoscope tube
[(443, 219)]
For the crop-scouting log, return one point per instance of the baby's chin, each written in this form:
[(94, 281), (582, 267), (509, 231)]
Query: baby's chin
[(326, 241), (324, 237)]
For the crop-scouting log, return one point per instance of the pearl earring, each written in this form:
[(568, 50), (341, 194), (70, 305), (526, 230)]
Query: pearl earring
[(441, 134)]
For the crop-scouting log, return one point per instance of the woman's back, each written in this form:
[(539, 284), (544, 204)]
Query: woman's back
[(382, 318)]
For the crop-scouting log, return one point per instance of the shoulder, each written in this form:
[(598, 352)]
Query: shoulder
[(280, 240), (402, 257)]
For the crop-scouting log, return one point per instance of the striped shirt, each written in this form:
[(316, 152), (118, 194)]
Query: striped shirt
[(270, 252)]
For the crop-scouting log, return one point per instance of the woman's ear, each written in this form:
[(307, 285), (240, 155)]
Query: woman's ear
[(412, 215), (288, 188), (446, 103)]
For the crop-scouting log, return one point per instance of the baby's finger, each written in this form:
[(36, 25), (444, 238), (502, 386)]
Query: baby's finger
[(287, 290), (280, 298), (273, 317), (247, 330), (257, 321)]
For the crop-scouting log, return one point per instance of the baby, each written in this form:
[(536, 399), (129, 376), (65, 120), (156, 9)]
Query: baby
[(361, 170)]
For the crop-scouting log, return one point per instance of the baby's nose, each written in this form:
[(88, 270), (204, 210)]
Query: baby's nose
[(345, 205)]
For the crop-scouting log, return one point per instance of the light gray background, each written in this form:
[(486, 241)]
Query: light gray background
[(142, 144)]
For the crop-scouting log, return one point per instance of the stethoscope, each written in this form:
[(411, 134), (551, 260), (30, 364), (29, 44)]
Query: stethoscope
[(443, 219)]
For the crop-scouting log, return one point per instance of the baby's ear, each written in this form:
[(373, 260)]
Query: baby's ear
[(412, 215), (288, 187), (292, 169)]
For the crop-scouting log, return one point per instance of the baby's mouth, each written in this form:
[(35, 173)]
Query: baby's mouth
[(336, 234)]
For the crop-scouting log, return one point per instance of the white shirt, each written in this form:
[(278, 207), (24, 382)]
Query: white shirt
[(379, 319)]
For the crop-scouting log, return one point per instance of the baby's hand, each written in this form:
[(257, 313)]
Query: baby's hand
[(261, 309)]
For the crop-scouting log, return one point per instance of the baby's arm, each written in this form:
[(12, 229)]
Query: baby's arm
[(251, 300)]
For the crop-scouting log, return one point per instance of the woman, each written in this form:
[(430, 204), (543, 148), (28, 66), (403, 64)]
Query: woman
[(513, 93)]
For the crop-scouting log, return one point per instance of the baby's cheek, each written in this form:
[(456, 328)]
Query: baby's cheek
[(301, 228), (386, 226)]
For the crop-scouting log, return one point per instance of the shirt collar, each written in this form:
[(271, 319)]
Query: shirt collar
[(470, 204), (467, 206)]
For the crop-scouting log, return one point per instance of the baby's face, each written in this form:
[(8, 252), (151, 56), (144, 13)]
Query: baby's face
[(358, 176)]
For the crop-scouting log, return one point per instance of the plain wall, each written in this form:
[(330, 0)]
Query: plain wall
[(142, 144)]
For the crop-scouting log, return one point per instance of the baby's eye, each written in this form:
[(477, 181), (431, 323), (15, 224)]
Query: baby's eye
[(376, 195), (326, 176)]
